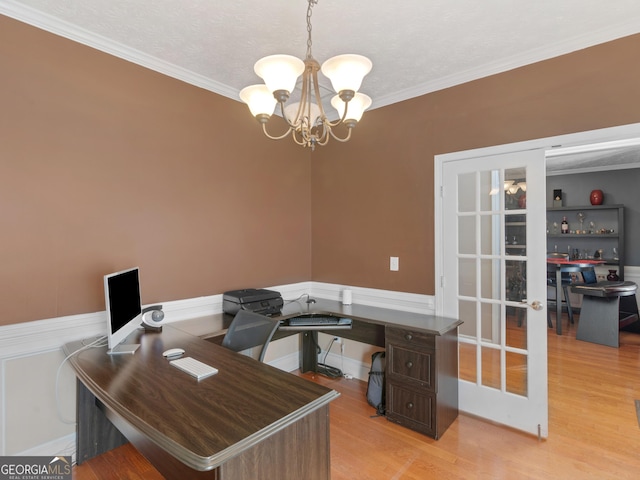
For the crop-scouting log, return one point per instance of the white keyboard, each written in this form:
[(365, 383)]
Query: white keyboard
[(194, 367)]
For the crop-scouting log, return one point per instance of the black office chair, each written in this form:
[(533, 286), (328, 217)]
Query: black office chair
[(566, 282), (250, 334)]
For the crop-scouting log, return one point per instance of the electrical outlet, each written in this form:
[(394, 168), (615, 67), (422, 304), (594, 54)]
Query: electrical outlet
[(337, 339)]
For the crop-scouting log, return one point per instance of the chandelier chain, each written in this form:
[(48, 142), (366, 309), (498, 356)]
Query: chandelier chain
[(309, 12)]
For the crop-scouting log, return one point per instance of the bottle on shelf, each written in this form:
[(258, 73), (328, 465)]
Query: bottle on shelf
[(564, 226)]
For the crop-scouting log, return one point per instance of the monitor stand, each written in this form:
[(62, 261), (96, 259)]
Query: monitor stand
[(123, 349)]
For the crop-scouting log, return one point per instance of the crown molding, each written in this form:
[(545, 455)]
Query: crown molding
[(72, 32), (581, 42)]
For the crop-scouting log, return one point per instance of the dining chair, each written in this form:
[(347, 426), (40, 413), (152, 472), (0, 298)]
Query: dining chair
[(250, 334), (565, 283)]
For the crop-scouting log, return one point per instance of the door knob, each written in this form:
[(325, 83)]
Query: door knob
[(536, 305)]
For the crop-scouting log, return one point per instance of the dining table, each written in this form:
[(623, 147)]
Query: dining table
[(558, 266)]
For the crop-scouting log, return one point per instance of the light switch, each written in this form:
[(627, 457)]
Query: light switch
[(394, 264)]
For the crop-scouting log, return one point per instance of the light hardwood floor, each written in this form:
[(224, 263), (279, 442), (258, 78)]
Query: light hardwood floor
[(594, 431)]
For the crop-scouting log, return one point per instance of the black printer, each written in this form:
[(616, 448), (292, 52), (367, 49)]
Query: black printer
[(258, 300)]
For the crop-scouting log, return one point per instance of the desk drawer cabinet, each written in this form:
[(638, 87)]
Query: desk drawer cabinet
[(411, 409), (422, 379)]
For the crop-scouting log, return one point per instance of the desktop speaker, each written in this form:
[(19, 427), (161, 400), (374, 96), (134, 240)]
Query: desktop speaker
[(152, 318)]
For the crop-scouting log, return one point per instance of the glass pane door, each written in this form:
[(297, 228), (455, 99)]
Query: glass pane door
[(489, 256)]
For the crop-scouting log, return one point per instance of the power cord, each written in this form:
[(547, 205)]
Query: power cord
[(327, 370), (308, 301), (99, 342)]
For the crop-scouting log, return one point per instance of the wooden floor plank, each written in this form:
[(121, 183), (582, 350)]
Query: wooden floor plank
[(594, 429)]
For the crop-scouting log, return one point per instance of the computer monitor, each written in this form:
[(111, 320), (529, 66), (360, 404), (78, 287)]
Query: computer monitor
[(124, 309)]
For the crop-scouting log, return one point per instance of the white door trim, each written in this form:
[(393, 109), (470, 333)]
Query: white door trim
[(566, 140)]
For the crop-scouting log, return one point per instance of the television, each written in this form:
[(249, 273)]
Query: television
[(124, 309)]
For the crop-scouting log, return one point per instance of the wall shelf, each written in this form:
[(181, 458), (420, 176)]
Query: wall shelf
[(597, 217), (582, 235)]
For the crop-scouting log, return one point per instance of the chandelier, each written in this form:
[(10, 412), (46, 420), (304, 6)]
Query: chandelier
[(307, 122)]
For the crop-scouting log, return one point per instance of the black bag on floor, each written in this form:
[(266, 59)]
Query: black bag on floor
[(375, 387)]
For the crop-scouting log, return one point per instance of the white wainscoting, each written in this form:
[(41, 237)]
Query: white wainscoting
[(30, 357), (632, 274), (30, 423)]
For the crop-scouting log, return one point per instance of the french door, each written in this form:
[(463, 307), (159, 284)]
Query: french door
[(492, 276)]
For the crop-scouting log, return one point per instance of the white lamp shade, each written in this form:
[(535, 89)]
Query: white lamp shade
[(346, 71), (279, 72), (291, 110), (259, 99), (356, 108)]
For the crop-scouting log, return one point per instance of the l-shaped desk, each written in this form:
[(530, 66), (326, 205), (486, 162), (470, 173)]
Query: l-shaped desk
[(252, 420)]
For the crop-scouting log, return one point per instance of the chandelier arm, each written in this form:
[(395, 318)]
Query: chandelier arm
[(292, 126), (340, 120), (304, 94), (345, 139), (264, 130), (305, 104), (324, 118), (316, 91), (322, 141), (300, 141)]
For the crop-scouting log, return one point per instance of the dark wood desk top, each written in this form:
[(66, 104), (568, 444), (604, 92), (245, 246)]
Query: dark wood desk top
[(203, 423), (213, 326), (431, 324)]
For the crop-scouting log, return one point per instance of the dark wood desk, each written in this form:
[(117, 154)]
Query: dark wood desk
[(421, 359), (422, 355), (560, 266), (248, 421)]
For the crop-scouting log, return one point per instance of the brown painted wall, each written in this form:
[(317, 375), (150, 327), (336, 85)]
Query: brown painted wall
[(373, 197), (106, 165)]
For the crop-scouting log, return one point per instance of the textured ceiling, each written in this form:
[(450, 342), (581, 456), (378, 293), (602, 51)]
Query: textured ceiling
[(417, 46)]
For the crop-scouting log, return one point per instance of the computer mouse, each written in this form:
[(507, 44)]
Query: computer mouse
[(173, 352)]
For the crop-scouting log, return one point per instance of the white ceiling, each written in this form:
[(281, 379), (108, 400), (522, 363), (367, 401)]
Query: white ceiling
[(595, 161), (417, 46)]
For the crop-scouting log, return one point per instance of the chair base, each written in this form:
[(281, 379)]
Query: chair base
[(599, 321), (601, 315)]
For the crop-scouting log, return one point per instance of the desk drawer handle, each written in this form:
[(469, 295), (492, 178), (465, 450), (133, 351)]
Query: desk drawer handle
[(408, 336), (409, 405), (409, 364)]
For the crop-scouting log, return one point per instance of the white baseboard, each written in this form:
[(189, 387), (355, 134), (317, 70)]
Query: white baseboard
[(63, 446), (350, 367), (287, 363)]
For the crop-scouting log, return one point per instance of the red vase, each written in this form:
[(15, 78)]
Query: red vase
[(596, 197), (522, 201)]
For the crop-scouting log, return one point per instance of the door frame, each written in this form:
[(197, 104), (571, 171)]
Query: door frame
[(548, 143)]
